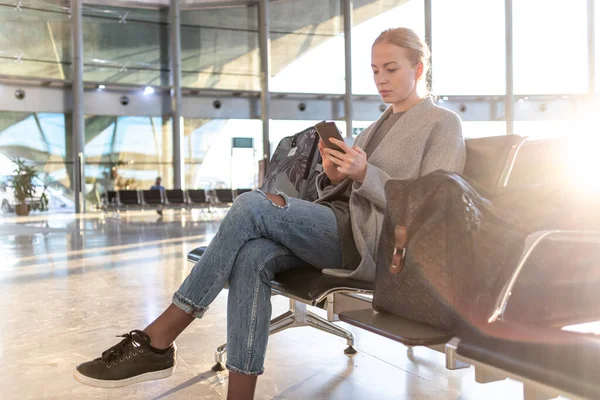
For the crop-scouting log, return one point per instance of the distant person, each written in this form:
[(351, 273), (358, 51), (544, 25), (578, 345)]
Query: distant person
[(158, 186)]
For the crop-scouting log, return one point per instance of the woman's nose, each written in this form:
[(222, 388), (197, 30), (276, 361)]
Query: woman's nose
[(381, 79)]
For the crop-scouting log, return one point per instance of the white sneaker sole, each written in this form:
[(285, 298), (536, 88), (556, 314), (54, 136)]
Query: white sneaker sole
[(148, 376)]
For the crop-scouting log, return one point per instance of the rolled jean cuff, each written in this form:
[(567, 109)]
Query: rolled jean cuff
[(242, 372), (187, 306)]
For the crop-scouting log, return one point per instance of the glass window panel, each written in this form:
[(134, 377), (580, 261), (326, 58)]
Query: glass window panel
[(138, 149), (53, 128), (34, 137), (369, 21), (307, 46), (129, 139), (126, 75), (211, 162), (557, 128), (100, 178), (134, 52), (220, 48), (597, 6), (550, 46), (40, 140), (359, 126), (34, 43), (47, 5), (126, 15), (479, 129), (468, 53)]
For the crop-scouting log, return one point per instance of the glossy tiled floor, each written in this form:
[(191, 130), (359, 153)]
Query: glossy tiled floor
[(68, 286)]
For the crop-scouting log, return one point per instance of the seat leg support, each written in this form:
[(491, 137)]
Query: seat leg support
[(296, 316), (485, 376), (452, 362), (220, 358)]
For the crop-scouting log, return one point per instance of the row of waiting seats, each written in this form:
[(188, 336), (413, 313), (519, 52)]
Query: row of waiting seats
[(547, 360), (170, 198)]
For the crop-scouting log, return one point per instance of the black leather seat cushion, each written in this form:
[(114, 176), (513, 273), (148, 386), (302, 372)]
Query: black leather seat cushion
[(305, 283), (129, 197), (152, 196), (175, 196), (405, 331), (564, 360), (309, 284)]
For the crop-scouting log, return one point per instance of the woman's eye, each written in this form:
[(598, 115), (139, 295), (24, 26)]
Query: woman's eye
[(392, 70), (375, 72)]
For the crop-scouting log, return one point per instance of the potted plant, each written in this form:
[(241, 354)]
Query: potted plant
[(24, 189)]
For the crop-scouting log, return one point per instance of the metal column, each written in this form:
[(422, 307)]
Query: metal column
[(265, 75), (348, 111), (175, 32), (428, 40), (591, 34), (509, 102), (78, 128)]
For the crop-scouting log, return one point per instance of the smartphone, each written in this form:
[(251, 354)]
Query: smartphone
[(327, 130)]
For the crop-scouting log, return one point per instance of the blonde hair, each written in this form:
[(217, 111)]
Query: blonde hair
[(418, 50)]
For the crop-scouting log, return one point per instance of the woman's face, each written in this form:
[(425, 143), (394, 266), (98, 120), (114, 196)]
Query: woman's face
[(395, 76)]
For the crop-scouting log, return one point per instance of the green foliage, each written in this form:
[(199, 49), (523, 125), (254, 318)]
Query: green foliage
[(24, 188)]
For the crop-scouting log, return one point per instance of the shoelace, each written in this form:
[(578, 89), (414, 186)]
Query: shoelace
[(119, 352)]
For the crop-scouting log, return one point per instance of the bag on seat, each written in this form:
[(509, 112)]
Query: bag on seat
[(294, 166), (460, 249), (443, 252)]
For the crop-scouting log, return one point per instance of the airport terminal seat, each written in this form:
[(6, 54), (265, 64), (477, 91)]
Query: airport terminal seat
[(129, 199), (489, 161), (111, 198), (222, 197), (198, 198), (237, 192), (152, 197), (549, 362), (175, 198)]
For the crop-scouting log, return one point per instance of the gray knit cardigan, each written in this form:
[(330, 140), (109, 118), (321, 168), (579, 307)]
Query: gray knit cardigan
[(425, 139)]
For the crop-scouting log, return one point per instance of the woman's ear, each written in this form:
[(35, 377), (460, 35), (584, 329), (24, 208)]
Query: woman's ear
[(419, 71)]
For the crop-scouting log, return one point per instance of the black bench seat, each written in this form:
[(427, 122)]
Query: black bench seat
[(564, 361), (405, 331), (305, 284)]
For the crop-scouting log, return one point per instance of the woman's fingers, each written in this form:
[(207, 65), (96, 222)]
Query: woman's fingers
[(337, 154), (337, 161), (341, 144), (358, 150)]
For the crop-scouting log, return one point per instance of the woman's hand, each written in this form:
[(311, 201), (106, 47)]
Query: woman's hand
[(352, 163), (329, 167)]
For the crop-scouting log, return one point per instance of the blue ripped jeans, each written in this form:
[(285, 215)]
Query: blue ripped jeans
[(256, 240)]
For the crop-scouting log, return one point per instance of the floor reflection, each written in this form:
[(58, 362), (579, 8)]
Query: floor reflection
[(69, 284)]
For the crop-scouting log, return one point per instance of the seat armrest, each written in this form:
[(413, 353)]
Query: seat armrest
[(194, 255), (531, 242)]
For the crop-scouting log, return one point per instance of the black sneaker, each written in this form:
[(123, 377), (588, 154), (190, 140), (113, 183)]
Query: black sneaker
[(131, 361)]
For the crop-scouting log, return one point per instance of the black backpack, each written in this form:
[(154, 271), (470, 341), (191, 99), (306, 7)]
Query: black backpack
[(294, 166)]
